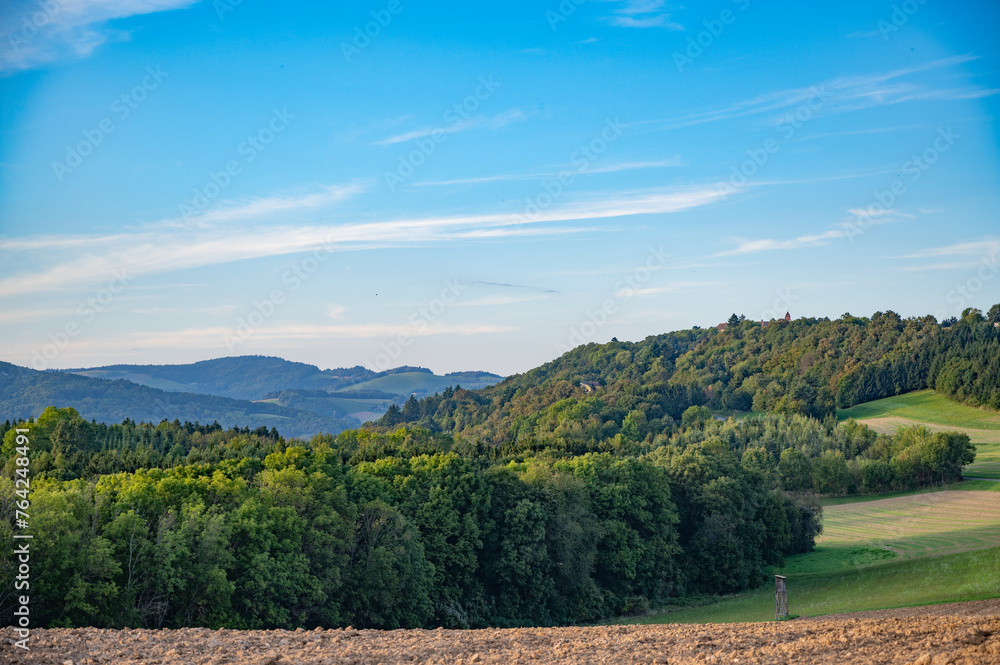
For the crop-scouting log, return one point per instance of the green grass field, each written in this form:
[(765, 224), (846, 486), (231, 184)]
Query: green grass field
[(928, 546), (965, 485), (937, 413), (877, 584), (925, 406), (913, 548)]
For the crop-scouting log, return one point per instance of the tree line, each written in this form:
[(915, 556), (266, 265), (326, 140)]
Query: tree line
[(375, 529)]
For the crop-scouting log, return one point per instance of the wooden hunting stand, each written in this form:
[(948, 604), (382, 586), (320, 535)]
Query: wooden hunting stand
[(780, 598)]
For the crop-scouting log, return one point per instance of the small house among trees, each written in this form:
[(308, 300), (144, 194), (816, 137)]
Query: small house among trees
[(590, 386)]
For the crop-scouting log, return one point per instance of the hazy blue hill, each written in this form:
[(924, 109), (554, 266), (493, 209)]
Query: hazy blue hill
[(262, 377), (240, 377), (368, 399), (25, 392)]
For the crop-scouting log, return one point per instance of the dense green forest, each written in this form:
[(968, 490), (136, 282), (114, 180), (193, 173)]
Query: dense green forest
[(178, 524), (170, 525), (805, 366)]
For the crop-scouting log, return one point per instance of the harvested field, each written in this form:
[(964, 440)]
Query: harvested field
[(917, 525), (890, 424), (921, 640)]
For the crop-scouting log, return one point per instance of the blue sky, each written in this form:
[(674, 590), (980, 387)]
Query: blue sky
[(482, 186)]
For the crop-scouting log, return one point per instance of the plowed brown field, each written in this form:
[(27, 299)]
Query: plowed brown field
[(958, 634)]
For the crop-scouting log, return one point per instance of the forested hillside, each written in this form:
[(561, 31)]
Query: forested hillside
[(177, 525), (805, 366)]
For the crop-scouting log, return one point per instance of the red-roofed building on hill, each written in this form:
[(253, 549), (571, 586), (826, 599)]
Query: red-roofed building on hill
[(788, 317)]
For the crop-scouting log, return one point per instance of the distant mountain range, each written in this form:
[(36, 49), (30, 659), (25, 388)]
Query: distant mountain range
[(296, 398)]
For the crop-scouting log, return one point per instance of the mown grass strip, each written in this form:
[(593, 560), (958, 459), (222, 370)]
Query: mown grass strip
[(924, 581)]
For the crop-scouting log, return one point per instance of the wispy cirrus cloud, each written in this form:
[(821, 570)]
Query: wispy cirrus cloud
[(957, 256), (641, 14), (859, 219), (850, 93), (254, 208), (69, 262), (675, 287), (746, 246), (489, 122), (494, 301), (525, 287), (541, 175), (35, 33)]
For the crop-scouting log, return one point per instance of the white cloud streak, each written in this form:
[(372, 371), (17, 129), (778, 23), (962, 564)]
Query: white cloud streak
[(963, 255), (768, 244), (861, 218), (642, 14), (69, 262), (667, 288), (35, 33), (607, 168), (490, 122), (850, 93)]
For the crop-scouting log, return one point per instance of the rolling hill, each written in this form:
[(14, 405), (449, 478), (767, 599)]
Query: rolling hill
[(296, 398), (240, 377), (26, 392)]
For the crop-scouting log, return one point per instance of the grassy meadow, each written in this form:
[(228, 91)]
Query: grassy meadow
[(937, 413), (925, 406), (911, 548)]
